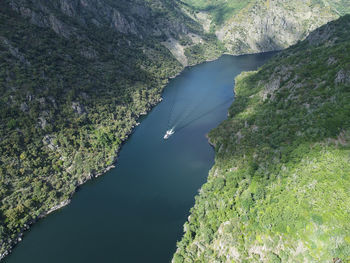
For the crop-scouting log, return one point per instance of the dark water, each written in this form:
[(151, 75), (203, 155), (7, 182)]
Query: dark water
[(135, 212)]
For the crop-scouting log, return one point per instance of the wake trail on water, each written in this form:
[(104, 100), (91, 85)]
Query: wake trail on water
[(183, 116), (183, 124)]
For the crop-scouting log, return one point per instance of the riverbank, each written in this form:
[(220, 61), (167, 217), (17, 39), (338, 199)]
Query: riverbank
[(279, 189), (85, 178), (120, 193), (88, 177)]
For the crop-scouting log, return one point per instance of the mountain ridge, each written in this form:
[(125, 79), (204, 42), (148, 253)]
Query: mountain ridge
[(75, 76)]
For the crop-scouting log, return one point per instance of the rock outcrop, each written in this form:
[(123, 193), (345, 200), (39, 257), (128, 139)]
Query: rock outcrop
[(262, 27), (83, 71)]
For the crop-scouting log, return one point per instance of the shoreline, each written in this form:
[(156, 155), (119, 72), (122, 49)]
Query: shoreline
[(90, 177), (64, 203)]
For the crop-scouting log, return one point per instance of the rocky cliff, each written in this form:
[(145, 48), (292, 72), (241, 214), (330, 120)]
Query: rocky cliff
[(272, 25), (140, 18), (262, 25), (75, 76)]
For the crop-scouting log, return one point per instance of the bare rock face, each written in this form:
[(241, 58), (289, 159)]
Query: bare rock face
[(41, 14), (121, 24), (177, 50), (136, 18), (78, 108), (172, 27), (331, 61), (24, 107), (272, 25), (259, 27), (342, 77), (48, 140), (42, 122), (60, 27)]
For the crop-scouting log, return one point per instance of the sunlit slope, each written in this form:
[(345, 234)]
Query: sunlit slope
[(219, 10), (341, 6), (263, 25), (280, 188), (75, 75)]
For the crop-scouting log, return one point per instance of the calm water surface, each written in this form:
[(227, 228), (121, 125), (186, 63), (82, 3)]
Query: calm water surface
[(135, 212)]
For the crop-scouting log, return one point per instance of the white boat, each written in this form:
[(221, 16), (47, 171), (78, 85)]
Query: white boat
[(169, 133)]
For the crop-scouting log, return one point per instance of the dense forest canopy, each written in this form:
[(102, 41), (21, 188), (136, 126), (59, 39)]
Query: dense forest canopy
[(76, 75), (280, 187)]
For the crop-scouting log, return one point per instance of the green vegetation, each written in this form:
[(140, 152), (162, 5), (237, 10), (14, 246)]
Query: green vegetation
[(66, 107), (342, 6), (280, 187), (220, 10), (254, 26), (209, 49), (73, 81), (73, 84)]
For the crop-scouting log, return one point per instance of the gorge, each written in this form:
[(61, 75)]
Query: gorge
[(77, 75), (142, 204)]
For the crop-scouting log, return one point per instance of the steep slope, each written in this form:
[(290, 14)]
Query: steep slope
[(75, 75), (280, 187), (258, 25), (160, 20)]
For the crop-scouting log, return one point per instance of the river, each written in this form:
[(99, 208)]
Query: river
[(135, 212)]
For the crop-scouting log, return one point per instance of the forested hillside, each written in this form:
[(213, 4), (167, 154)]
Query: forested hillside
[(75, 76), (73, 82), (280, 187)]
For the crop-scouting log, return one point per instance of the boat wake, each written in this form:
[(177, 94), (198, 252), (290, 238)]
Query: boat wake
[(169, 133)]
